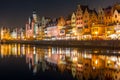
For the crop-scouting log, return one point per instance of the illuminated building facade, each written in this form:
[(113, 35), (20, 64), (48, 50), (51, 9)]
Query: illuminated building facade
[(78, 25), (73, 20), (101, 16), (109, 30), (73, 24), (32, 27), (98, 31), (52, 30), (61, 27), (79, 17), (41, 32), (87, 26), (86, 19), (108, 16), (5, 33), (116, 13), (93, 17)]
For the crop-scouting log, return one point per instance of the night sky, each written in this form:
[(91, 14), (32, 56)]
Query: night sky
[(15, 13)]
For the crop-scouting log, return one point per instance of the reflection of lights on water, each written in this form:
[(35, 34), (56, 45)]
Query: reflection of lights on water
[(118, 64), (119, 59), (28, 49), (96, 51), (19, 53), (93, 67), (49, 52), (60, 51), (23, 50), (114, 52), (119, 52), (30, 65), (107, 51), (34, 50), (1, 55), (89, 56), (67, 50), (74, 59), (113, 58), (53, 50), (35, 69), (44, 66), (79, 65), (85, 55), (10, 49)]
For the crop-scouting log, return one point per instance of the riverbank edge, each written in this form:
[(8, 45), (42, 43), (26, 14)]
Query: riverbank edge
[(113, 44)]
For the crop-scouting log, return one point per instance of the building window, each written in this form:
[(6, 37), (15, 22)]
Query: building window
[(102, 18), (115, 16), (117, 21), (95, 29)]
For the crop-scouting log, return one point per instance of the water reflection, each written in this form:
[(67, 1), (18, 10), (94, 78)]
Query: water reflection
[(82, 64)]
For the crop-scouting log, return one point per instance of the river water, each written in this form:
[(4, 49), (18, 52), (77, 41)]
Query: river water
[(33, 62)]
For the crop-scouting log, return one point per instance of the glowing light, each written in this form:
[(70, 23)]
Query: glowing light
[(96, 62), (85, 56), (108, 61), (96, 32), (79, 65), (49, 53), (75, 59)]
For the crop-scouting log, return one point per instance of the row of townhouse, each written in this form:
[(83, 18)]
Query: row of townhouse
[(60, 27), (12, 34), (83, 23)]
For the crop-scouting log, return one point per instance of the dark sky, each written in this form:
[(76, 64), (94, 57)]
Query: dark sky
[(15, 13)]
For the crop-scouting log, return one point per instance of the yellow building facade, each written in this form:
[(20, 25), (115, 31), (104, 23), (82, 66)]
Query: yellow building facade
[(116, 13), (98, 31)]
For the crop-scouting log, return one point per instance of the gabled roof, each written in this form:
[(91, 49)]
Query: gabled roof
[(83, 7), (92, 11), (107, 11), (116, 7)]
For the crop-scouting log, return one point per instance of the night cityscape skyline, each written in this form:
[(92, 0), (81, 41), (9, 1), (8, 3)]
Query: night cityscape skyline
[(60, 39), (15, 13)]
